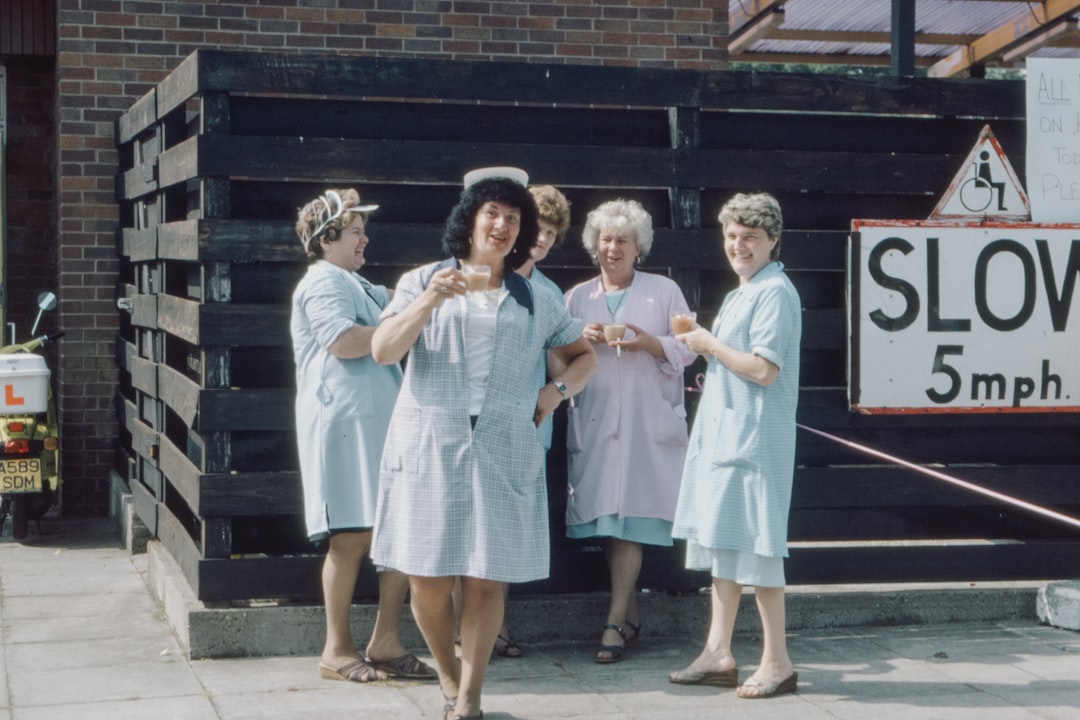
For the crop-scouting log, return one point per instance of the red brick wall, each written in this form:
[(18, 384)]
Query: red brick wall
[(112, 52), (29, 162)]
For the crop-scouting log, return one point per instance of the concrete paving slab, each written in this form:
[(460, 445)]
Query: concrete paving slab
[(1047, 703), (345, 703), (80, 583), (50, 656), (5, 700), (258, 675), (172, 708), (115, 658), (65, 628), (103, 604), (171, 677), (964, 707)]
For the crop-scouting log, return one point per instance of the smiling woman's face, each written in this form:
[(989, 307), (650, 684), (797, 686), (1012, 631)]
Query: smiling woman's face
[(495, 231), (347, 251), (748, 249)]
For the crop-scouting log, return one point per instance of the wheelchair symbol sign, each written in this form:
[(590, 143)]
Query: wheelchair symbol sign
[(985, 186)]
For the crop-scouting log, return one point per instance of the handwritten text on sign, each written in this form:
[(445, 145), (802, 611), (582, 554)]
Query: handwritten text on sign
[(1053, 139), (965, 318)]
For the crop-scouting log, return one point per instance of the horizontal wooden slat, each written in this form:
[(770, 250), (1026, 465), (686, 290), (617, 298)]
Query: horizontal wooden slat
[(222, 324), (138, 118), (180, 394), (383, 161), (184, 551), (144, 310), (139, 245), (933, 562), (228, 239), (267, 577), (241, 409), (892, 486), (337, 75), (181, 474)]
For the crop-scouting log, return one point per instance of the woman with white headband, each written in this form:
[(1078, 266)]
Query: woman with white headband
[(343, 405)]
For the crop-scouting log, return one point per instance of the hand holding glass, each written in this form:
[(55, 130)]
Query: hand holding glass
[(683, 322), (615, 332), (477, 277)]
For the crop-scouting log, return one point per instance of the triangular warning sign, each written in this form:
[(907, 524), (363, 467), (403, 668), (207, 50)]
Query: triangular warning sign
[(985, 186)]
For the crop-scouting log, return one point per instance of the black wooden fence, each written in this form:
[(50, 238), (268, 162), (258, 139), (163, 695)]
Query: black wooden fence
[(216, 159)]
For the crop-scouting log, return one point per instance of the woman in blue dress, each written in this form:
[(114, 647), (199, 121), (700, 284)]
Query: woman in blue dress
[(461, 492), (736, 486), (343, 405)]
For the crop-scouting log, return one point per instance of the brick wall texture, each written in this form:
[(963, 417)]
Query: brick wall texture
[(110, 53)]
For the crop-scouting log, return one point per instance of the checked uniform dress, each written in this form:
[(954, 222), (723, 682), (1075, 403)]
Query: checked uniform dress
[(459, 500)]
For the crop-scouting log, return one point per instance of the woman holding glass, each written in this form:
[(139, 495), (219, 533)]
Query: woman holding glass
[(462, 493), (626, 437), (736, 487)]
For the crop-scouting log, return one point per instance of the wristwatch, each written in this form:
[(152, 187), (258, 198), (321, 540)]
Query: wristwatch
[(561, 387)]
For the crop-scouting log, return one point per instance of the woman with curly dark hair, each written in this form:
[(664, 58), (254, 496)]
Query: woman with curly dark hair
[(461, 491)]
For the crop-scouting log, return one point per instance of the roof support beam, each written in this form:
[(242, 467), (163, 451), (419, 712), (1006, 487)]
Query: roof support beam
[(903, 38), (994, 43), (754, 20)]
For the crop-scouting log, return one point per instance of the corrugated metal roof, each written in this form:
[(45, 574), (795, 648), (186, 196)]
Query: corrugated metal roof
[(951, 36)]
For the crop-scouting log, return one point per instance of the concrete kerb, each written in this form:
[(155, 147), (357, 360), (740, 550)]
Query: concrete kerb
[(1059, 604), (285, 629), (132, 532), (275, 630)]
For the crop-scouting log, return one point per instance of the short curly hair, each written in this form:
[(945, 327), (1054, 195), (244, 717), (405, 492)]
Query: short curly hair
[(309, 219), (757, 210), (457, 236), (618, 215), (553, 208)]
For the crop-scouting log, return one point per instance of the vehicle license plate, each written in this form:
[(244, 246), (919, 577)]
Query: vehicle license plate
[(22, 475)]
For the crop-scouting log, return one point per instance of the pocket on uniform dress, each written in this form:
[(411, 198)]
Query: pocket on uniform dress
[(737, 438), (574, 418), (401, 455), (345, 398), (671, 425)]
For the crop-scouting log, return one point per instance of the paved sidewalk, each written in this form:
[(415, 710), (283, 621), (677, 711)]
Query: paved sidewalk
[(83, 638)]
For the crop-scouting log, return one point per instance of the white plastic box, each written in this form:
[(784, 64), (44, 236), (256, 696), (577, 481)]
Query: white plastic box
[(24, 384)]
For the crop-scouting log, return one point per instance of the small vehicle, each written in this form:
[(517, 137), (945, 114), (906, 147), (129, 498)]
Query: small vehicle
[(29, 433)]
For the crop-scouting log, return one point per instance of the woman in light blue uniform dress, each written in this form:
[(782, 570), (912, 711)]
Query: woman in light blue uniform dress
[(736, 487), (461, 492), (343, 405)]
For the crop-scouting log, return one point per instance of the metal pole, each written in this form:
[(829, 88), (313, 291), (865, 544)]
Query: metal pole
[(903, 38)]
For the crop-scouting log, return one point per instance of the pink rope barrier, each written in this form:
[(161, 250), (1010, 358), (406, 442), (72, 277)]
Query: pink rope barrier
[(1031, 507)]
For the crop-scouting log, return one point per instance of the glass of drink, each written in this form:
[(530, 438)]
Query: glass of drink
[(615, 332), (476, 277), (683, 322)]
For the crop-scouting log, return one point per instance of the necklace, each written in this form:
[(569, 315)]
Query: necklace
[(623, 292)]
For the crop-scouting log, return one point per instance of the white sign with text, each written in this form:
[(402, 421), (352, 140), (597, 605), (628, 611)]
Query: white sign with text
[(1053, 139), (947, 317)]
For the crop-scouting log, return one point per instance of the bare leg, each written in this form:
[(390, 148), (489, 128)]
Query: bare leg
[(339, 572), (434, 613), (775, 664), (504, 645), (624, 561), (481, 615), (723, 607), (455, 596), (385, 643)]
